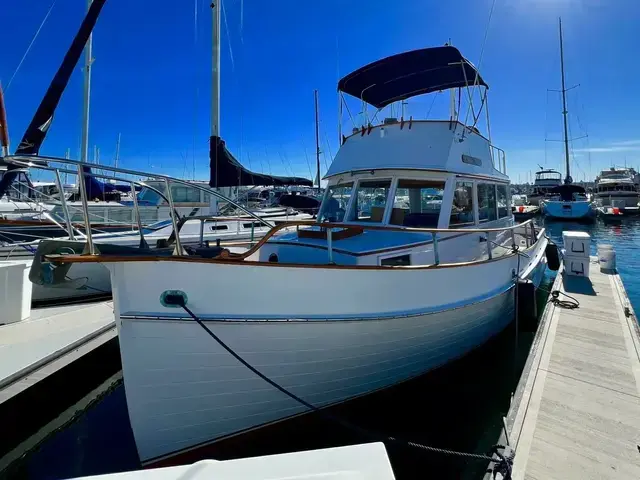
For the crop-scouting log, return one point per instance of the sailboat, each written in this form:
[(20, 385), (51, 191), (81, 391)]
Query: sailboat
[(195, 223), (411, 263), (568, 201)]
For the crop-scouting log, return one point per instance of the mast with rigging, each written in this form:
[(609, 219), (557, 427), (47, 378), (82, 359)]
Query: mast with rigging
[(215, 95), (315, 96), (568, 178)]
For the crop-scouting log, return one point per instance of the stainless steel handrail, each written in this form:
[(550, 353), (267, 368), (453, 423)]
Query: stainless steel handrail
[(28, 162)]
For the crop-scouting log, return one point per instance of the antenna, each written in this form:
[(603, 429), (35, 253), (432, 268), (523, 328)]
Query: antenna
[(117, 159), (67, 155), (315, 97)]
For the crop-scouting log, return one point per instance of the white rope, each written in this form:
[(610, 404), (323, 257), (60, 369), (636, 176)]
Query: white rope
[(30, 45), (475, 82), (226, 27)]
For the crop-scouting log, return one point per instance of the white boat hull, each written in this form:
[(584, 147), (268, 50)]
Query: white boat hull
[(183, 390), (91, 280), (622, 199), (573, 210)]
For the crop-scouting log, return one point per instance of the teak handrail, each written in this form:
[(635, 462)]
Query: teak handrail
[(388, 228), (238, 259)]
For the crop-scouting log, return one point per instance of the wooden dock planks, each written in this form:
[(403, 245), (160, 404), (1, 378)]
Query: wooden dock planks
[(577, 411)]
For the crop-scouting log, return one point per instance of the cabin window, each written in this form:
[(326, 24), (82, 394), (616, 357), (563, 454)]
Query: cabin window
[(462, 206), (503, 204), (150, 197), (183, 194), (417, 203), (19, 189), (487, 202), (398, 261), (335, 203), (370, 201), (213, 228)]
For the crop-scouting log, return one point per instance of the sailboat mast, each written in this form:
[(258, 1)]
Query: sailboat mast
[(117, 159), (84, 147), (4, 129), (215, 70), (315, 97), (564, 108), (214, 139)]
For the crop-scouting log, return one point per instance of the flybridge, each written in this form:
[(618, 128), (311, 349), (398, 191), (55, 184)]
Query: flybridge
[(453, 144)]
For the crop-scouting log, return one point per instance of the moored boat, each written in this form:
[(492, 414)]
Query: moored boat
[(617, 188), (544, 182), (567, 201), (411, 263)]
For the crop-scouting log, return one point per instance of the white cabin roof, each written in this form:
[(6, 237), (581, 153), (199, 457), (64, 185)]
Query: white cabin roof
[(418, 145)]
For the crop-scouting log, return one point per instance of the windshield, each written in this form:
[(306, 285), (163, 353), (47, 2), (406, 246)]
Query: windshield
[(148, 196), (335, 203)]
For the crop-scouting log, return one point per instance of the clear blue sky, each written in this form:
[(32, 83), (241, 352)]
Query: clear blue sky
[(151, 75)]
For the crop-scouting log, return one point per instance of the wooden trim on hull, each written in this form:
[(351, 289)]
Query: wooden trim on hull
[(230, 261)]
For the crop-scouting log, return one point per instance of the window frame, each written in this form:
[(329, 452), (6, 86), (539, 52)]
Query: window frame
[(325, 195), (474, 203), (495, 197), (506, 199), (356, 186)]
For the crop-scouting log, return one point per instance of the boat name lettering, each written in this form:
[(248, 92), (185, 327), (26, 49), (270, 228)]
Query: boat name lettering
[(471, 160)]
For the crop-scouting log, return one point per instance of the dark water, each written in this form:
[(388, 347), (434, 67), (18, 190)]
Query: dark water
[(458, 407)]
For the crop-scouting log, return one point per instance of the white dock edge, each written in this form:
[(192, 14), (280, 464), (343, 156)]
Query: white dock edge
[(52, 338), (576, 412)]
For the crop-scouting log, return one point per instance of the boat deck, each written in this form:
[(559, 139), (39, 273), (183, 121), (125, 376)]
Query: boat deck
[(52, 338), (576, 413)]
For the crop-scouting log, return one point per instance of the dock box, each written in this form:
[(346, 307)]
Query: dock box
[(576, 266), (15, 291), (577, 244)]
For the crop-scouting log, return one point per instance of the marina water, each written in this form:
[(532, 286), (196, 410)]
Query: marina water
[(458, 407)]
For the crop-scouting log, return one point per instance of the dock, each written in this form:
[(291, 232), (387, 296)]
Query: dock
[(576, 411), (50, 360)]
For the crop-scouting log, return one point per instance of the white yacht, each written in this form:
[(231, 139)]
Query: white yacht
[(412, 263), (544, 182), (18, 201), (567, 201), (616, 187)]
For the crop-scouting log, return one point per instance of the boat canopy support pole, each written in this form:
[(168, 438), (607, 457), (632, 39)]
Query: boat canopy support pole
[(85, 208), (65, 210), (174, 220), (436, 254), (136, 213)]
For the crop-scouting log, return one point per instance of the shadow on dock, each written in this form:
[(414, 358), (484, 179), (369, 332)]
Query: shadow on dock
[(579, 285)]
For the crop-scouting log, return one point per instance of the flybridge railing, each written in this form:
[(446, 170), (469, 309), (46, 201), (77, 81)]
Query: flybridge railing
[(107, 172), (499, 158)]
